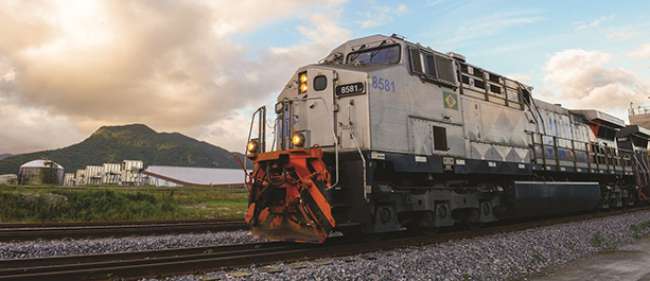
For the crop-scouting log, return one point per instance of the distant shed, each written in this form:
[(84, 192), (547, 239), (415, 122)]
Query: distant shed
[(170, 176)]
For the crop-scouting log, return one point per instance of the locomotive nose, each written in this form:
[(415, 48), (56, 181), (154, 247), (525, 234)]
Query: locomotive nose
[(287, 197)]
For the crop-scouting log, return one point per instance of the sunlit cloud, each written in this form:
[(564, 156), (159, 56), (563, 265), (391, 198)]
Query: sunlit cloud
[(582, 79), (643, 52), (171, 65)]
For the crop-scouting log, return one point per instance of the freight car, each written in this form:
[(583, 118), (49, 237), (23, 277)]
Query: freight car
[(384, 135)]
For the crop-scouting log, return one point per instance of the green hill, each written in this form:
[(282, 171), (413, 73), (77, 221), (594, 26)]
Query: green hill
[(4, 155), (130, 142)]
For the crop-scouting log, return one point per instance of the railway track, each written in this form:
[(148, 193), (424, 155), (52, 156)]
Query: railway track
[(190, 260), (149, 263), (15, 232)]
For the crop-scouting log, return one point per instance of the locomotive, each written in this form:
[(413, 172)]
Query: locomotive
[(385, 135)]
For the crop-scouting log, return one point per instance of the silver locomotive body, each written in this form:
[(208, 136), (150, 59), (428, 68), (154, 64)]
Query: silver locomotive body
[(413, 137)]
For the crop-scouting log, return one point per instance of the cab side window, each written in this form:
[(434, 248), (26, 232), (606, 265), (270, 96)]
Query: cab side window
[(432, 67)]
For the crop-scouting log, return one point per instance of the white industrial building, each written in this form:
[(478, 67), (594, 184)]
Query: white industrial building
[(127, 173), (131, 171), (69, 179), (94, 175), (172, 176), (112, 173), (80, 177)]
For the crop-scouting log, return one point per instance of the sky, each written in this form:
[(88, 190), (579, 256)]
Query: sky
[(202, 67)]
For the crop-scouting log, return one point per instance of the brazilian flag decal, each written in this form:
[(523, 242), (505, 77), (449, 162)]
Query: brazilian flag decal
[(450, 100)]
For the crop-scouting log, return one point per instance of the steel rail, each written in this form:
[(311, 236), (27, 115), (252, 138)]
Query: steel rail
[(17, 232), (149, 263), (191, 260)]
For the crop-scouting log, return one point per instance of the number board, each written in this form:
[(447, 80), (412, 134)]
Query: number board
[(350, 89)]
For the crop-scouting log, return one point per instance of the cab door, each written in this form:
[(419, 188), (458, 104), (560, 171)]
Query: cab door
[(352, 116)]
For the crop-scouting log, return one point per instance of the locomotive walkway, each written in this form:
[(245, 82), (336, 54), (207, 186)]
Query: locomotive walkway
[(629, 263)]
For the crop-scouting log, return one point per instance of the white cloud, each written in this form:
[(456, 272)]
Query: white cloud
[(402, 8), (493, 24), (9, 75), (582, 79), (642, 52), (593, 24), (172, 65), (627, 32), (322, 34), (27, 129), (381, 15), (432, 3), (621, 34), (230, 132)]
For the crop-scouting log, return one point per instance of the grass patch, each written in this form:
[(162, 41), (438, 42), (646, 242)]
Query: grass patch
[(638, 230), (598, 240), (104, 204)]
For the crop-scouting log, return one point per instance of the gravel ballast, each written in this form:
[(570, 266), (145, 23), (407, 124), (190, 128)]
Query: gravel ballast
[(66, 247), (496, 257)]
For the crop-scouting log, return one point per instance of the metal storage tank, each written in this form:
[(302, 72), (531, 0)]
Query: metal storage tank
[(41, 172)]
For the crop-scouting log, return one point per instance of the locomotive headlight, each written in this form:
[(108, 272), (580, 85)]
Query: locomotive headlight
[(252, 147), (298, 139), (303, 88), (303, 77), (302, 80)]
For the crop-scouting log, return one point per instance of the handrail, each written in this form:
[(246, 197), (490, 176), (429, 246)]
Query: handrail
[(356, 145), (261, 133), (363, 164), (275, 131)]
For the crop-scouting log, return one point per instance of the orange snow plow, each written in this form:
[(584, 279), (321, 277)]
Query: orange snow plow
[(287, 199)]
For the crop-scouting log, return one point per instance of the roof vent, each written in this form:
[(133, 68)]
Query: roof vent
[(456, 56)]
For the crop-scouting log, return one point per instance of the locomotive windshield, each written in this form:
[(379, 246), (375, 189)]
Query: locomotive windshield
[(382, 55)]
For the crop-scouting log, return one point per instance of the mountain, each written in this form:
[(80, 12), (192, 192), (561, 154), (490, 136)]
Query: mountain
[(112, 144), (4, 155)]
